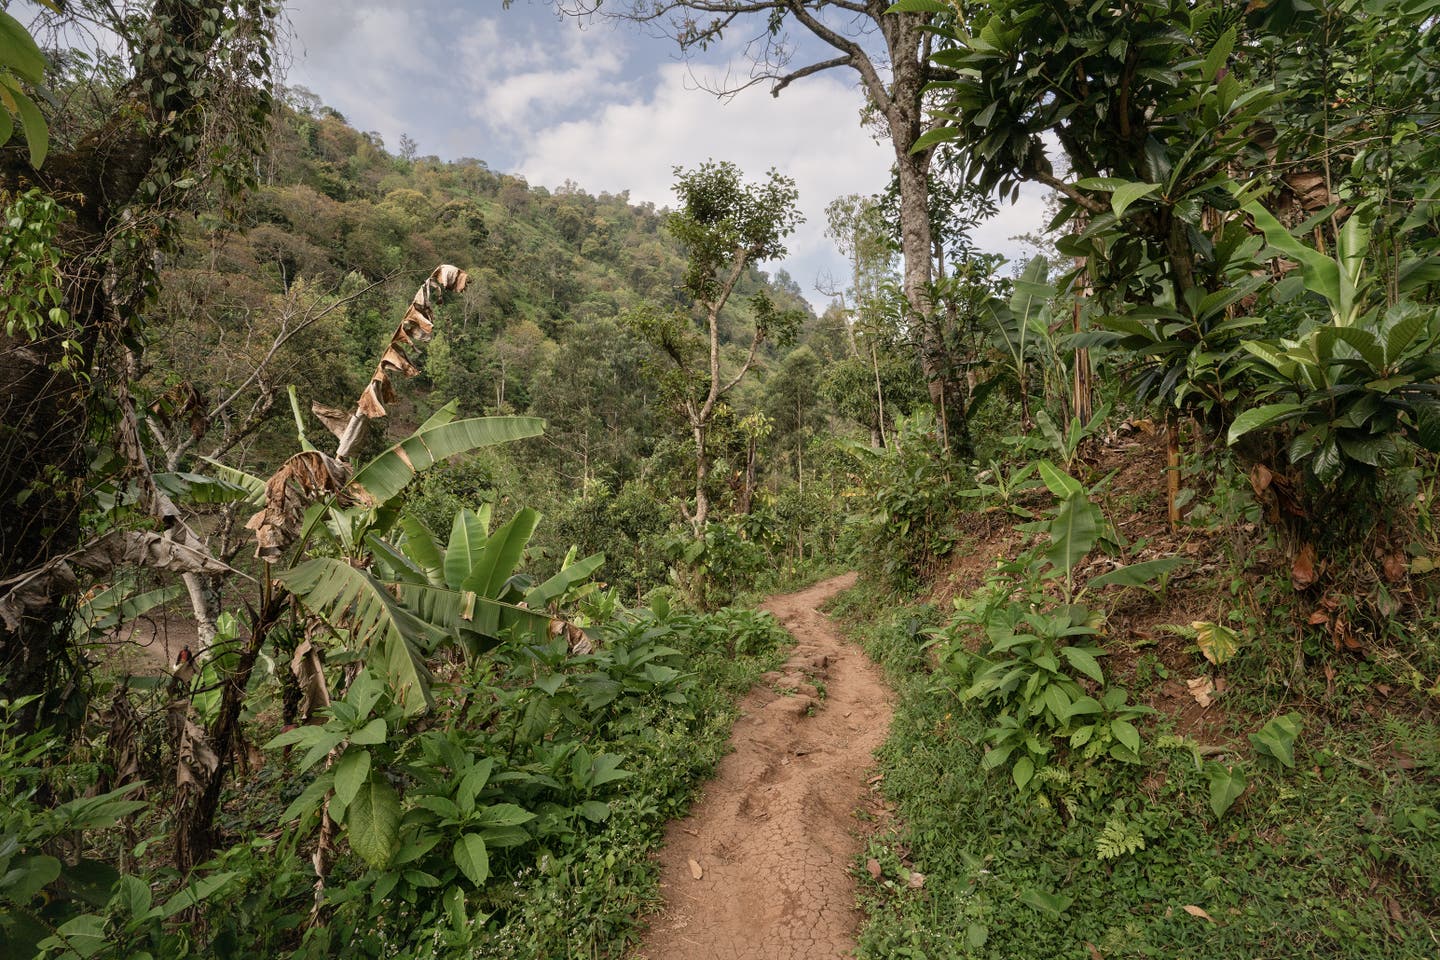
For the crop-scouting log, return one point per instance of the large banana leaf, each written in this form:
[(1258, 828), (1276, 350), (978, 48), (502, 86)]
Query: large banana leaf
[(253, 485), (386, 475), (354, 601), (468, 535), (477, 622), (420, 545), (194, 488), (541, 596), (501, 555)]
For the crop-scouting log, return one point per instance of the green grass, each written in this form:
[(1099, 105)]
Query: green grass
[(1339, 857)]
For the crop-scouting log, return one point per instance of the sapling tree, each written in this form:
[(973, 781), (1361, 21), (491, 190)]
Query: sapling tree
[(727, 226)]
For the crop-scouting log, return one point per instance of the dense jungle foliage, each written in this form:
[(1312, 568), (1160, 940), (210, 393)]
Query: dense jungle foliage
[(380, 533)]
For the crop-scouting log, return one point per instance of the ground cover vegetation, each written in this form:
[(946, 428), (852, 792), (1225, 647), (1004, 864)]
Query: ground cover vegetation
[(432, 488)]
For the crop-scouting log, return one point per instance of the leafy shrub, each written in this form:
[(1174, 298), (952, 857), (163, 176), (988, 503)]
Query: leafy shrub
[(907, 499)]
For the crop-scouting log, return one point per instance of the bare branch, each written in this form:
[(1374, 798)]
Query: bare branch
[(814, 68)]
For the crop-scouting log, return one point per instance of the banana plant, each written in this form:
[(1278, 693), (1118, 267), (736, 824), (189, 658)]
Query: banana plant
[(380, 600), (1016, 325)]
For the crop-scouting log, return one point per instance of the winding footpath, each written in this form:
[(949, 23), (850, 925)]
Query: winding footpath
[(760, 870)]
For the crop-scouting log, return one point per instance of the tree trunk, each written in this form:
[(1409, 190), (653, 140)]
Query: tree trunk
[(702, 472)]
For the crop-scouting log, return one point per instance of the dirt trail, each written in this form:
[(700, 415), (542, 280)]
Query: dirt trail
[(774, 834)]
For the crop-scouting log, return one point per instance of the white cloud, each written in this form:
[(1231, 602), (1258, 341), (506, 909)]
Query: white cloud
[(811, 132), (516, 84)]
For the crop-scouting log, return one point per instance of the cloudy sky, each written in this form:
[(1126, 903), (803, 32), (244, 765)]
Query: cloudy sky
[(607, 107)]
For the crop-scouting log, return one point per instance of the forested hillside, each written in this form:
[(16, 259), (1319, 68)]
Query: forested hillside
[(382, 538)]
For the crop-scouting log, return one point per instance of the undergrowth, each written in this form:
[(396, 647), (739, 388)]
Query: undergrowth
[(1336, 856)]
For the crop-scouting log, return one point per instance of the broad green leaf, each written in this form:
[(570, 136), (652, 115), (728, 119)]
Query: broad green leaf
[(21, 53), (472, 858), (1226, 786), (1073, 533), (1126, 195), (195, 893), (132, 895), (468, 535), (1404, 333), (1056, 701), (1277, 738), (473, 782), (605, 768), (1050, 904), (253, 486), (27, 876), (1023, 772), (1216, 642), (352, 600), (1125, 732), (388, 474), (503, 815), (1085, 662), (195, 488), (500, 558), (82, 936), (1322, 275), (467, 616), (421, 546), (372, 821), (1139, 574), (920, 6), (1059, 483), (350, 774), (1352, 245), (540, 597), (370, 734), (454, 901), (1218, 55), (391, 563), (1263, 416), (596, 811)]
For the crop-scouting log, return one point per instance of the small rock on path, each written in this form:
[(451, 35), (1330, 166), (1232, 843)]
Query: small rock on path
[(760, 870)]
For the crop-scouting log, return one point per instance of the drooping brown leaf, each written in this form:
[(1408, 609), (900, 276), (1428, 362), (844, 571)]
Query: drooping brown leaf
[(872, 866), (310, 674), (1302, 570), (195, 759), (335, 420), (395, 359), (1200, 912), (300, 481), (123, 740)]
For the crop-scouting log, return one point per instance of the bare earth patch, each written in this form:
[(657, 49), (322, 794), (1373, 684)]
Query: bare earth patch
[(761, 867)]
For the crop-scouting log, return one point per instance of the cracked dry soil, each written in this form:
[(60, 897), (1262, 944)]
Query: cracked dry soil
[(760, 870)]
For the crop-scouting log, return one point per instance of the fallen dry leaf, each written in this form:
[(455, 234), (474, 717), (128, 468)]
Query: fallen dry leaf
[(1202, 689), (1302, 571), (917, 880), (1095, 953), (1260, 477), (1200, 912), (695, 870), (872, 866), (1392, 906)]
